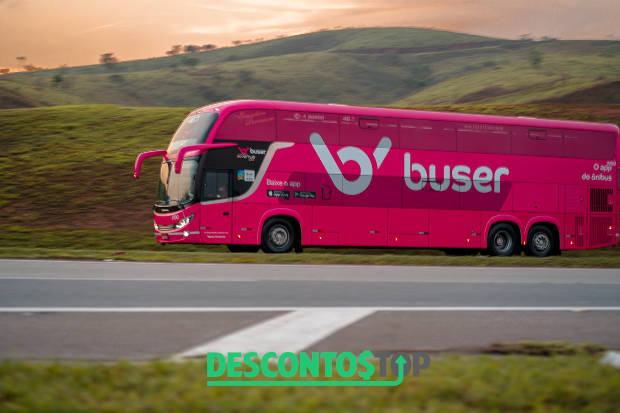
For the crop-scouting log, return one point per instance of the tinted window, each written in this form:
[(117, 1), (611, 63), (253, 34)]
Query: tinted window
[(193, 131), (427, 135), (589, 145), (215, 185), (537, 142), (483, 138), (298, 126), (251, 125), (366, 131), (243, 161)]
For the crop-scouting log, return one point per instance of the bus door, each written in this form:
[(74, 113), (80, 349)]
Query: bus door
[(216, 209)]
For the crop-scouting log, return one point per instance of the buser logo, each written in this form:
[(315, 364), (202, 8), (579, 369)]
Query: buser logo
[(458, 178), (346, 154)]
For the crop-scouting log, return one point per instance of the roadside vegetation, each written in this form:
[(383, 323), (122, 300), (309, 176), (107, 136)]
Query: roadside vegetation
[(67, 190), (483, 383)]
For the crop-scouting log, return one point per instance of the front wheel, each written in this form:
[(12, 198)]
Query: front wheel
[(540, 241), (502, 240), (278, 236)]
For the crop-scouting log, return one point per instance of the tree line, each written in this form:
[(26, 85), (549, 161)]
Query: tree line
[(108, 59)]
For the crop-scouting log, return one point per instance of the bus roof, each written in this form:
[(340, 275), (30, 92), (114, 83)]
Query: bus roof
[(234, 105)]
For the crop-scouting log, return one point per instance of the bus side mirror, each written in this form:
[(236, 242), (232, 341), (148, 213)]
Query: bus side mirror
[(138, 164)]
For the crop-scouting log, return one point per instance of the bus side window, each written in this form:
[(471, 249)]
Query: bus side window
[(215, 185)]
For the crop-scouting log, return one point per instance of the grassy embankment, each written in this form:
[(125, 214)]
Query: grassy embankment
[(67, 190), (560, 383), (371, 66)]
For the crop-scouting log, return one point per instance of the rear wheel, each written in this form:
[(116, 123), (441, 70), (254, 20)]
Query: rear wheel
[(540, 241), (242, 248), (278, 236), (502, 240)]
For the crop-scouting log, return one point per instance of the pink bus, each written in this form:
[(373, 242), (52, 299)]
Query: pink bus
[(283, 175)]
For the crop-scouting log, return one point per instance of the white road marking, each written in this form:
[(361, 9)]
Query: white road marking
[(287, 309), (116, 278), (293, 331)]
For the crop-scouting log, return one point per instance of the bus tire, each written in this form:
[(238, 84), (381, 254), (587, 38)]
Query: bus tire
[(540, 241), (502, 240), (242, 248), (278, 236)]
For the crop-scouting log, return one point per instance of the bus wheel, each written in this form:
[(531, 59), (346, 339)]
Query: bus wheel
[(278, 236), (502, 240), (540, 241), (242, 248)]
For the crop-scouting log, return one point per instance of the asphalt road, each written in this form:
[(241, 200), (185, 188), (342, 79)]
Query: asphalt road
[(108, 310)]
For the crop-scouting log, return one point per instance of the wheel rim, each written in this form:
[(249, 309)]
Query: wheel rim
[(502, 241), (279, 236), (541, 241)]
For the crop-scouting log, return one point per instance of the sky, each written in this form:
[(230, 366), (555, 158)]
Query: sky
[(51, 33)]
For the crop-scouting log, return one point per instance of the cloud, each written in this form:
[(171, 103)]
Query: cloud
[(101, 27), (42, 30)]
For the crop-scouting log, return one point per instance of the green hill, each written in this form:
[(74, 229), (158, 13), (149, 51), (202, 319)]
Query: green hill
[(374, 66), (67, 170)]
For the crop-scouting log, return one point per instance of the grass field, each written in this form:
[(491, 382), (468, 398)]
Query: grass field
[(608, 258), (450, 384), (67, 189), (372, 66)]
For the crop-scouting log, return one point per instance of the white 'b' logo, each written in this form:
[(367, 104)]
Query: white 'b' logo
[(346, 154)]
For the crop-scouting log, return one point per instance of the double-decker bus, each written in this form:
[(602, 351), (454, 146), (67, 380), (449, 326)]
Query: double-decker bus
[(283, 175)]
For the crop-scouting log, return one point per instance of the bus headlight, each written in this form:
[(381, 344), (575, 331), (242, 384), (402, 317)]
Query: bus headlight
[(183, 222)]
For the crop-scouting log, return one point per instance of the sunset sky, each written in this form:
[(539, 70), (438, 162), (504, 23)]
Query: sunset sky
[(51, 33)]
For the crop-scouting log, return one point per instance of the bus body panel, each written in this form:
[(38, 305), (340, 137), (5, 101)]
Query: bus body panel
[(384, 177)]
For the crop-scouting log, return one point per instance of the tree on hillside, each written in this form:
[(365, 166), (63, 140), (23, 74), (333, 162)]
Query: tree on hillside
[(191, 48), (108, 59), (175, 50), (206, 47), (535, 58), (190, 61), (57, 79), (237, 42), (4, 71)]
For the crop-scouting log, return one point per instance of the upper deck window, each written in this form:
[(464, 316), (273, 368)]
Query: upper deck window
[(367, 131), (193, 131), (589, 144), (427, 135), (483, 138), (249, 125), (537, 141), (297, 126)]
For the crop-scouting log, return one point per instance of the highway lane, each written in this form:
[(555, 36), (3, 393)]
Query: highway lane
[(146, 293), (118, 284), (156, 310), (116, 270)]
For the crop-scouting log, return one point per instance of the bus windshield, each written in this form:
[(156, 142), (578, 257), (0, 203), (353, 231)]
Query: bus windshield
[(176, 189), (193, 131)]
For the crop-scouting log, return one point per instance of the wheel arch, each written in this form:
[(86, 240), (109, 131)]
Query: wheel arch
[(550, 222), (291, 215), (498, 219)]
